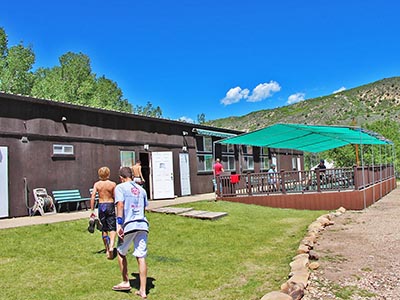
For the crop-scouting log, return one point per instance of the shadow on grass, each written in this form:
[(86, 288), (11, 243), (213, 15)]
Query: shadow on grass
[(135, 282)]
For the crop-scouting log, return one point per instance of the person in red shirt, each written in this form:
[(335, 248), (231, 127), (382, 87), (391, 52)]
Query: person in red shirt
[(217, 169)]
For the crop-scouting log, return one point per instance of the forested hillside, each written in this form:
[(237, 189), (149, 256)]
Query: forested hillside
[(374, 106), (366, 104)]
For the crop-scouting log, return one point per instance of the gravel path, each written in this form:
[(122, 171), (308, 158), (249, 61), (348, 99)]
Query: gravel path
[(360, 255)]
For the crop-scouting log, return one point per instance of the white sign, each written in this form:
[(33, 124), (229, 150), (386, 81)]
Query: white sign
[(3, 182), (162, 175), (185, 173)]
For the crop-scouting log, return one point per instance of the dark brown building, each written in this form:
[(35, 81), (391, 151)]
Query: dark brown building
[(59, 146)]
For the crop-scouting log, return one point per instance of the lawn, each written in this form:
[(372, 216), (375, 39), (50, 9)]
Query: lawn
[(241, 256)]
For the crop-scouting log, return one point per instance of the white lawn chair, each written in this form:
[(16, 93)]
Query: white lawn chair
[(43, 202)]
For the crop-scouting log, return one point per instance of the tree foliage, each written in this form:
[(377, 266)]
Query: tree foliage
[(371, 154), (201, 118), (148, 110), (15, 65), (71, 81)]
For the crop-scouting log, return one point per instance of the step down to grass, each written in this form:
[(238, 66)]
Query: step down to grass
[(205, 215), (190, 212), (171, 210)]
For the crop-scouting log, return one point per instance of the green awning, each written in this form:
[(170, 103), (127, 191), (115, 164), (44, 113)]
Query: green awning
[(309, 138), (213, 133)]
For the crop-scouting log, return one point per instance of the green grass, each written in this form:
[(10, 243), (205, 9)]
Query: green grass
[(241, 256)]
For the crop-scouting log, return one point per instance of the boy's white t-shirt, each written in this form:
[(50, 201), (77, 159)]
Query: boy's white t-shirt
[(135, 202)]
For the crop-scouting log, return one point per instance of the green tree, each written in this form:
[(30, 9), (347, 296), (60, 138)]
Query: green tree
[(390, 130), (370, 154), (73, 81), (201, 118), (108, 95), (15, 67), (148, 110)]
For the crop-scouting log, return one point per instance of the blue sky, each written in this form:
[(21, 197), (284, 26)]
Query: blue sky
[(221, 58)]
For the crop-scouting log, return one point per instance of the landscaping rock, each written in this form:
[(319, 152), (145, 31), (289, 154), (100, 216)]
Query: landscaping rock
[(276, 296)]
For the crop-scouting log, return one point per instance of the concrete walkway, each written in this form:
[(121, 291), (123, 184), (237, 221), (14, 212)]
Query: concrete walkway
[(82, 214)]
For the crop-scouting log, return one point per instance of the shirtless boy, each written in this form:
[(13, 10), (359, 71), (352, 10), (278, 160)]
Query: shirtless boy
[(105, 189), (137, 173)]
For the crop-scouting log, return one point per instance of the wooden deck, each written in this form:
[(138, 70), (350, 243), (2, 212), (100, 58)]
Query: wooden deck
[(325, 200)]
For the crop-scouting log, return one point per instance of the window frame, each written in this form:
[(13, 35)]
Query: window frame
[(63, 150), (127, 161)]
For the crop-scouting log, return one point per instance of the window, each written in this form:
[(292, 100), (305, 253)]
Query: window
[(264, 163), (249, 163), (248, 160), (294, 163), (228, 157), (228, 148), (127, 158), (63, 149), (204, 162), (207, 143), (264, 158), (247, 149), (204, 147), (228, 161)]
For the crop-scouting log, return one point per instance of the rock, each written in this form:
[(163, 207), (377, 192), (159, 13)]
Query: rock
[(314, 265), (341, 210), (303, 249), (315, 227), (312, 236), (313, 255), (301, 255), (328, 216), (276, 296), (300, 263), (308, 242), (333, 215), (300, 277), (324, 221), (297, 291)]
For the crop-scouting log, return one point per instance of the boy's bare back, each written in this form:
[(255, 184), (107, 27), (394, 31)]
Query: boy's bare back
[(105, 189)]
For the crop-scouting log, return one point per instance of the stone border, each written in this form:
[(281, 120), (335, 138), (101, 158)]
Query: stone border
[(293, 288)]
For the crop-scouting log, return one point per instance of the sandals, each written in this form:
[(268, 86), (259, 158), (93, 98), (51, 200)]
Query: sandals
[(94, 221), (123, 286)]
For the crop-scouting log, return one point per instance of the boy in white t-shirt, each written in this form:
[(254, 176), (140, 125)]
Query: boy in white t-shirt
[(132, 227)]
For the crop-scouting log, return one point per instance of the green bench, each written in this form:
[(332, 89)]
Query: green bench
[(68, 196)]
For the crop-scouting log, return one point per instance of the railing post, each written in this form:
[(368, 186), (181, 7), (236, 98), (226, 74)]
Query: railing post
[(317, 174), (283, 186), (356, 183), (249, 191)]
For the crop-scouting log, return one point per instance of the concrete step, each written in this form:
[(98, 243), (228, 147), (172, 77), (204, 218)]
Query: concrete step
[(190, 212)]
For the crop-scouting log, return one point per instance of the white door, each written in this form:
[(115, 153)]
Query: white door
[(162, 175), (185, 173), (3, 182)]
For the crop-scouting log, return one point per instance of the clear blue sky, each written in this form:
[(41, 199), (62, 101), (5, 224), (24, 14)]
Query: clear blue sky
[(217, 57)]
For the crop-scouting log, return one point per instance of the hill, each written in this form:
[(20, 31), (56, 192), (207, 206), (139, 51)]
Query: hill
[(366, 104)]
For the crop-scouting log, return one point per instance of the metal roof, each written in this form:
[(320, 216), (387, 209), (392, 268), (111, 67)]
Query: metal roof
[(213, 133)]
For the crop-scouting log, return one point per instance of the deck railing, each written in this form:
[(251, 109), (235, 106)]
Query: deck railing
[(285, 182)]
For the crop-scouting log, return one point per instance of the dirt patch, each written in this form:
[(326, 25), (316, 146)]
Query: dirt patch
[(360, 254)]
